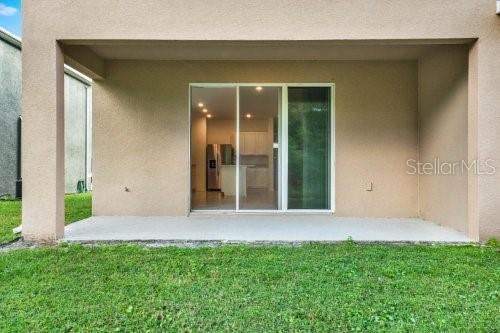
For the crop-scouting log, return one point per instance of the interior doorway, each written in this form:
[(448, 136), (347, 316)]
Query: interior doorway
[(257, 147)]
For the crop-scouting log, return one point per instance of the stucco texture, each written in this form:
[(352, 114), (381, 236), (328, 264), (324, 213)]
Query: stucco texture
[(75, 133), (443, 128), (141, 132), (10, 110), (75, 99), (51, 23)]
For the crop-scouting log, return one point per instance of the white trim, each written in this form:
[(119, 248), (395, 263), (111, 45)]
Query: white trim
[(229, 85), (261, 211), (332, 149), (284, 149), (237, 149), (190, 167), (10, 38), (213, 211), (88, 157), (283, 156), (280, 151), (77, 75)]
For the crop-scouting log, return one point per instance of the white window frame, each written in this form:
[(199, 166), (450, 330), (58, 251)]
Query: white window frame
[(283, 160)]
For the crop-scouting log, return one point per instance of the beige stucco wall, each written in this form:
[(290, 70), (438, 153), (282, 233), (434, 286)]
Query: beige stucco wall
[(48, 21), (141, 132), (443, 129)]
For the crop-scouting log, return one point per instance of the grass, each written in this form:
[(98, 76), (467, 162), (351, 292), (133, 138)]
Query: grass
[(10, 217), (334, 288), (493, 242), (346, 287), (77, 207)]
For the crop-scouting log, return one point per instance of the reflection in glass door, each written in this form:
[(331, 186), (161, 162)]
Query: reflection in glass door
[(259, 147), (309, 147), (262, 148), (213, 162)]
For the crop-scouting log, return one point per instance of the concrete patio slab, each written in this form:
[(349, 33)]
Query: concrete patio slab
[(259, 228)]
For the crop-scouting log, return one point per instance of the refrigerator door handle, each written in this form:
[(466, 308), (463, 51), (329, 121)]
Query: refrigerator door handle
[(219, 160)]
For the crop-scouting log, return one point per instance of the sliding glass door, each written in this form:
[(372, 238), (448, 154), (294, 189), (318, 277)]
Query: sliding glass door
[(309, 147), (262, 147), (213, 159), (259, 147)]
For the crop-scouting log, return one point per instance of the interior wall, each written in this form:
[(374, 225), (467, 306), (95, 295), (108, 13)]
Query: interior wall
[(443, 106), (220, 130), (198, 153), (141, 126)]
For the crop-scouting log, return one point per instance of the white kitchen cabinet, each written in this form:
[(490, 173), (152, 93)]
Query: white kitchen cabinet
[(253, 143), (249, 143), (251, 175), (260, 143), (257, 177), (228, 180), (261, 176)]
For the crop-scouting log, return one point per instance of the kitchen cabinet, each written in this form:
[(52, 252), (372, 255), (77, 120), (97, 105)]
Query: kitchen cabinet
[(247, 143), (257, 177), (261, 177), (228, 180), (260, 143), (253, 143)]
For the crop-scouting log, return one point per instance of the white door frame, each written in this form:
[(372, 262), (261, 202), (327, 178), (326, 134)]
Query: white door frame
[(283, 160)]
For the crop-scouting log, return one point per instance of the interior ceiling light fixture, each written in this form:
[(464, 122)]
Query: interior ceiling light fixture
[(248, 115), (205, 110), (259, 88), (201, 105), (209, 116)]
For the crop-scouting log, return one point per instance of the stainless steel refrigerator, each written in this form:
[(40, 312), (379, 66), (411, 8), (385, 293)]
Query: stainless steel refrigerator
[(217, 155)]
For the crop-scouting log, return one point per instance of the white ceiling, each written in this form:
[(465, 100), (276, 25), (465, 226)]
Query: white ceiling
[(221, 102)]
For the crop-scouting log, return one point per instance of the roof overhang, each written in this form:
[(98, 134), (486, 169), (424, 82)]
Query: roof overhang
[(260, 50), (10, 38)]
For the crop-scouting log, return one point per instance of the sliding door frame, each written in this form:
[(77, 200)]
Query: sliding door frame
[(283, 150)]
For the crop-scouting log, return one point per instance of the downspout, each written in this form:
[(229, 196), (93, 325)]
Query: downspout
[(19, 180)]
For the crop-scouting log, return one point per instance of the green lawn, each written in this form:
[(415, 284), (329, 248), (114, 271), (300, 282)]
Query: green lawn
[(78, 206), (334, 288)]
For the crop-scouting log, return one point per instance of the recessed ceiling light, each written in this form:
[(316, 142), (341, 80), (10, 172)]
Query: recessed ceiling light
[(259, 88), (209, 116), (248, 115), (205, 110), (201, 105)]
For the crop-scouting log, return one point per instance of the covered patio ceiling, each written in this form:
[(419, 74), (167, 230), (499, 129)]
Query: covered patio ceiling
[(89, 56)]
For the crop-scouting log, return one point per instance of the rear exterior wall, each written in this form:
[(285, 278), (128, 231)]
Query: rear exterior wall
[(443, 129), (141, 132), (10, 110)]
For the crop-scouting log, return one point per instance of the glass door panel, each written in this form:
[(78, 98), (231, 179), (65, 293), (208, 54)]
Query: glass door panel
[(259, 147), (213, 159), (309, 142)]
